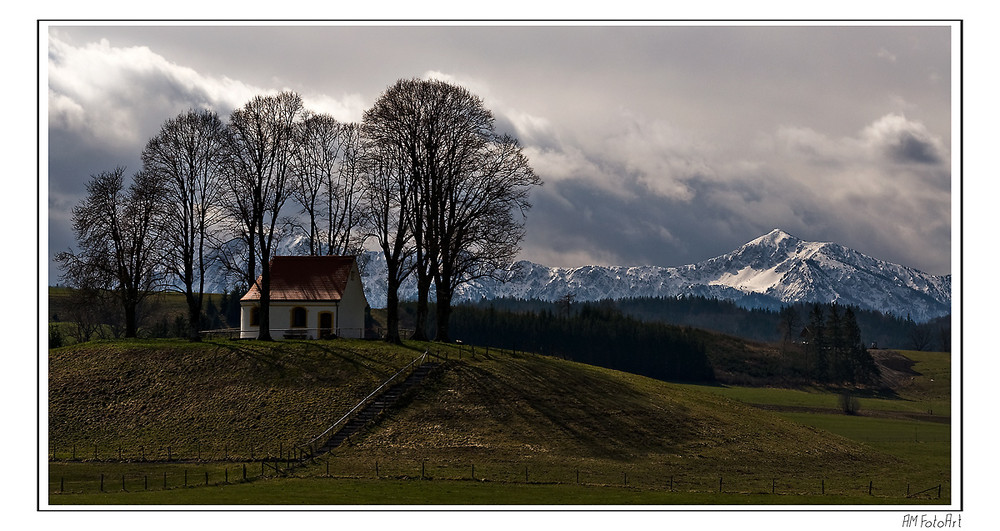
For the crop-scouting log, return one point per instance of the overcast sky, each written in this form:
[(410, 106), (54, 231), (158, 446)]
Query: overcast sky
[(660, 145)]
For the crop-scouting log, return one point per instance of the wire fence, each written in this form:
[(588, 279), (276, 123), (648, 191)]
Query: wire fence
[(131, 477), (174, 453)]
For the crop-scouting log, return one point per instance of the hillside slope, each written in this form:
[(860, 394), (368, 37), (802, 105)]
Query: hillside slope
[(237, 396), (215, 396), (506, 408)]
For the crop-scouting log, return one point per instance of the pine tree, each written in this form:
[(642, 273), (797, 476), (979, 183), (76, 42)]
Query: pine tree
[(816, 338), (862, 365), (838, 346)]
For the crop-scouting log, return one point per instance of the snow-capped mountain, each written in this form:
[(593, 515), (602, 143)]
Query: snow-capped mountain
[(772, 270)]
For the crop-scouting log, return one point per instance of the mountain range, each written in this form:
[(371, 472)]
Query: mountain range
[(773, 270)]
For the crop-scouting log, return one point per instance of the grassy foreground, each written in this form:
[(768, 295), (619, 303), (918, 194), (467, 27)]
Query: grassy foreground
[(499, 428), (372, 492)]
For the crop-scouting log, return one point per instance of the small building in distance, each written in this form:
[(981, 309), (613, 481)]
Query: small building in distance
[(312, 297)]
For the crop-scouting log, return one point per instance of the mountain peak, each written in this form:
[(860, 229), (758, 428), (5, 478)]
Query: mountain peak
[(773, 238), (771, 271)]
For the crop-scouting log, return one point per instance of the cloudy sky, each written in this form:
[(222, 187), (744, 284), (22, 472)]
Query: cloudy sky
[(658, 144)]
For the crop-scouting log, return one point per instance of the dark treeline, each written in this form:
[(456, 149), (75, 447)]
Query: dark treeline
[(592, 333), (826, 347), (878, 329), (837, 354), (98, 316)]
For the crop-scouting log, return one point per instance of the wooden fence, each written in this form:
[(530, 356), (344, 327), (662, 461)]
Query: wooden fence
[(132, 477)]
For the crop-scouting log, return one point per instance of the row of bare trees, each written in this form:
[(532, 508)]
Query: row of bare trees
[(425, 177)]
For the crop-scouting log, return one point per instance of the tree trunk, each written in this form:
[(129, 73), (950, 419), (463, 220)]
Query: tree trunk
[(392, 315), (423, 296), (131, 328), (443, 314), (264, 313), (392, 304), (251, 275), (194, 316)]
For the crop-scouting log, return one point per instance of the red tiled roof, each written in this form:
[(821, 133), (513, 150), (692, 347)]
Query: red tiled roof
[(306, 278)]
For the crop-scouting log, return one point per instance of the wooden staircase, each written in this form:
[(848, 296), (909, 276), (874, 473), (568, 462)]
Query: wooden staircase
[(375, 406)]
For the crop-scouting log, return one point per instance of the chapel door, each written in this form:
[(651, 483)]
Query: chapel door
[(325, 324)]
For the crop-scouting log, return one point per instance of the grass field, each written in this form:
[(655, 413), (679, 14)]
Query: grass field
[(368, 492), (499, 429), (928, 393)]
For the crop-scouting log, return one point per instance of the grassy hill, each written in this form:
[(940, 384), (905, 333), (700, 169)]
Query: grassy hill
[(501, 413), (209, 396), (552, 414)]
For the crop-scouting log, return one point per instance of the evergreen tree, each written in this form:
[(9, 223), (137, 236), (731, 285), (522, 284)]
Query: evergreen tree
[(863, 367), (816, 338), (840, 363)]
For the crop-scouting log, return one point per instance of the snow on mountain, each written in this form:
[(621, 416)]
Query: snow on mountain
[(774, 269)]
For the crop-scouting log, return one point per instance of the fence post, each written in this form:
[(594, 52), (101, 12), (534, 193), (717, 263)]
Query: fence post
[(244, 471), (164, 480), (102, 482), (123, 483), (870, 488), (720, 484), (772, 485), (145, 482), (473, 471), (822, 486), (62, 484)]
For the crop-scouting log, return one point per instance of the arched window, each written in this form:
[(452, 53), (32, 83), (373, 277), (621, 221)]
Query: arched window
[(298, 317)]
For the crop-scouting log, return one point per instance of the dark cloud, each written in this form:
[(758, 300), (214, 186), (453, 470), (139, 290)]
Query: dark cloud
[(910, 148), (658, 145)]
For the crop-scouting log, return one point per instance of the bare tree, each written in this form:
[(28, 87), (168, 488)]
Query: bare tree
[(395, 127), (387, 193), (186, 156), (788, 322), (921, 336), (470, 185), (261, 147), (481, 223), (344, 195), (317, 159), (116, 232)]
